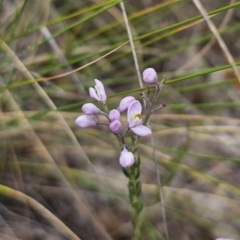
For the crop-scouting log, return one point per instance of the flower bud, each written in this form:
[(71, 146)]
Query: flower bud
[(90, 109), (150, 76), (126, 158), (85, 121), (115, 126), (125, 102), (114, 115), (98, 92)]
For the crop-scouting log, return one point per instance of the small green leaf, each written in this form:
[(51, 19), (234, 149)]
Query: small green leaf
[(126, 172), (138, 188), (136, 172), (138, 160)]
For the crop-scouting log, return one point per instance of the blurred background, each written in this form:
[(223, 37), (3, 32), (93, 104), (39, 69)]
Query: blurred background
[(48, 164)]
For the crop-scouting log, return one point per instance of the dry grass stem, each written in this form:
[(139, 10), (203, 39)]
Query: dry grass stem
[(218, 38)]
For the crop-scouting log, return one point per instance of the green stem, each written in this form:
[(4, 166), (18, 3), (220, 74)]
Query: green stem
[(134, 187)]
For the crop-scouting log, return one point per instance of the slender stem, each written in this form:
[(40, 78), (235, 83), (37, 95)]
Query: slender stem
[(131, 43), (161, 196), (134, 187)]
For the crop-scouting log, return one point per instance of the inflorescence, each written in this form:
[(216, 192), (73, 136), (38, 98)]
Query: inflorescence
[(128, 104)]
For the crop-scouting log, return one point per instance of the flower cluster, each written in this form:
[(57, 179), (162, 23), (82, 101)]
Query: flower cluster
[(128, 104)]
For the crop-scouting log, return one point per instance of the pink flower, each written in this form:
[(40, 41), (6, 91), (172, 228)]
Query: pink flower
[(98, 92), (135, 121), (224, 239), (124, 104), (114, 115), (85, 121), (150, 76), (115, 126), (90, 109), (126, 158)]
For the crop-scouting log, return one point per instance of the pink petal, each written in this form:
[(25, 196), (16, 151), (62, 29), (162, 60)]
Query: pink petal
[(114, 115), (126, 158), (141, 130), (100, 91), (134, 108), (124, 104), (85, 121), (134, 122), (93, 94), (115, 126), (90, 109), (224, 239), (150, 76)]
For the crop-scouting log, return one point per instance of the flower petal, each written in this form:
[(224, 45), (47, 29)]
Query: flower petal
[(90, 109), (115, 126), (141, 130), (150, 76), (93, 94), (85, 121), (100, 91), (224, 239), (124, 103), (134, 108), (114, 115), (126, 158)]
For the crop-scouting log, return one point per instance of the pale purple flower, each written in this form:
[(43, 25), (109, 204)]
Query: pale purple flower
[(126, 158), (114, 115), (90, 109), (224, 239), (135, 121), (85, 121), (98, 92), (115, 126), (124, 104), (150, 76)]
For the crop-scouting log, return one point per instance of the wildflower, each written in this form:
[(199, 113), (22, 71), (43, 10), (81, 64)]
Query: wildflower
[(115, 126), (126, 158), (124, 104), (150, 76), (114, 115), (85, 121), (90, 109), (224, 239), (135, 121), (98, 92)]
